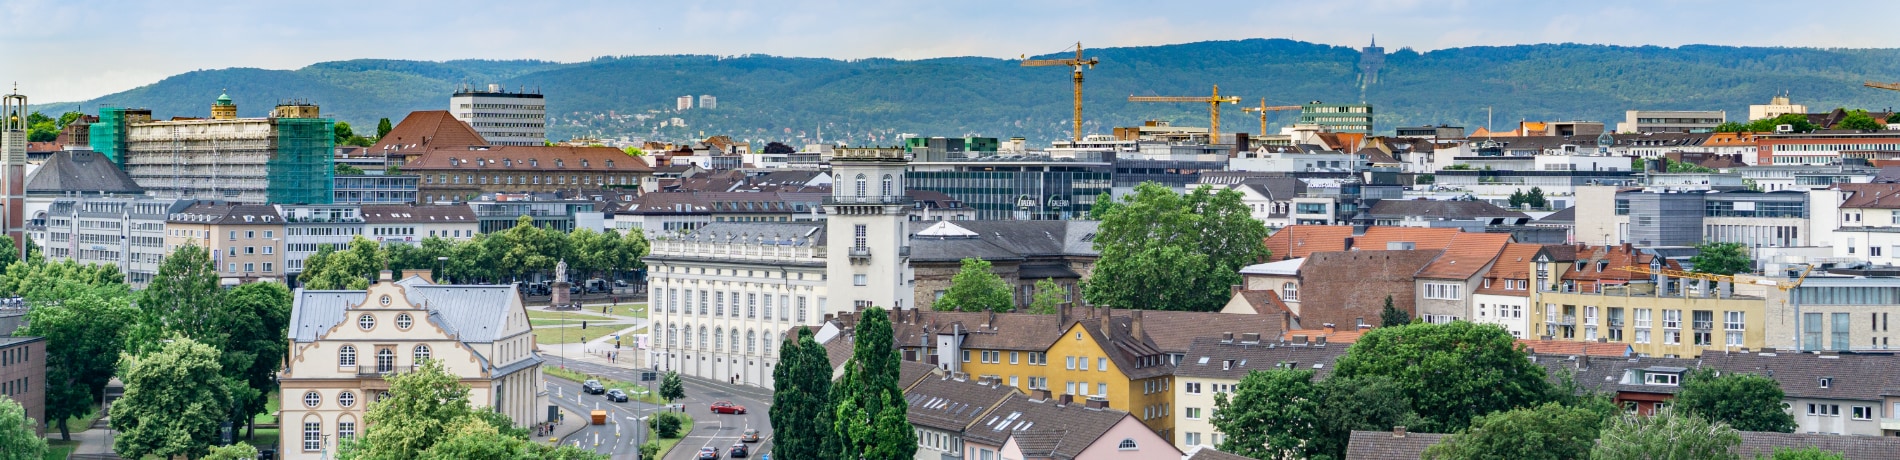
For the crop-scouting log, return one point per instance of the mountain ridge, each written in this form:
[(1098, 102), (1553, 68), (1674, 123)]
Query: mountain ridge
[(873, 100)]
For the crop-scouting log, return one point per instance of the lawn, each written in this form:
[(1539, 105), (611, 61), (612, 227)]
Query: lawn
[(263, 438), (270, 411), (566, 316), (686, 427), (633, 390), (59, 450)]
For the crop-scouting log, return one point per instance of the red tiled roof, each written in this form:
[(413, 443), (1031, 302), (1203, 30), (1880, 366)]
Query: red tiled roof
[(1513, 264), (1574, 348), (1466, 255), (1875, 196), (1377, 238), (1604, 265), (1297, 241), (528, 158), (425, 130)]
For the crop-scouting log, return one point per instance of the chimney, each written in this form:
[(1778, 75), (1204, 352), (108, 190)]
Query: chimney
[(1299, 339), (1398, 431), (1064, 400), (1321, 340), (385, 276), (1108, 319), (1250, 337), (1039, 395), (1062, 318), (1233, 290), (1096, 402), (992, 323), (1226, 337), (1328, 327), (1134, 324)]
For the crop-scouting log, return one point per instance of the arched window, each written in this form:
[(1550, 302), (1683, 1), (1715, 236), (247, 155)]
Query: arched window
[(346, 356), (672, 335), (687, 339), (385, 360), (702, 337), (888, 183), (861, 185), (312, 433), (1127, 444), (346, 427), (719, 339), (751, 341), (1290, 291), (422, 353)]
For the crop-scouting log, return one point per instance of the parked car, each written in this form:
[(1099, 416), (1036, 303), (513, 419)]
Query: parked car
[(537, 289), (616, 395), (573, 289), (598, 285), (622, 284), (727, 407), (708, 453), (737, 451), (749, 436), (593, 387)]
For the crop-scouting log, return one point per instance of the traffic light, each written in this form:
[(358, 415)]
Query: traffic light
[(616, 344), (583, 324)]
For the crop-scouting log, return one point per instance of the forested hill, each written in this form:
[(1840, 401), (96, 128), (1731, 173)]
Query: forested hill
[(870, 100)]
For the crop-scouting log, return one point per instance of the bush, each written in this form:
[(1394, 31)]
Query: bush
[(650, 450), (666, 425)]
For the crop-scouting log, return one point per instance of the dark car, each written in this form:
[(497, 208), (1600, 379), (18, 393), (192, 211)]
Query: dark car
[(708, 453), (737, 451), (537, 289), (749, 436), (727, 407), (593, 387), (616, 395), (573, 289)]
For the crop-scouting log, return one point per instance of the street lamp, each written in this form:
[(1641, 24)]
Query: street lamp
[(439, 261)]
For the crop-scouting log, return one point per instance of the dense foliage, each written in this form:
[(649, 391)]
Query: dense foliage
[(1163, 250), (1722, 259), (801, 404), (1452, 373), (516, 253), (428, 415), (1666, 434), (975, 288), (18, 441), (866, 101), (1550, 431), (868, 406), (169, 408), (1748, 402)]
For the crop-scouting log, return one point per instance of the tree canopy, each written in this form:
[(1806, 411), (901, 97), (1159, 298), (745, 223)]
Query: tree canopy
[(868, 406), (169, 407), (1859, 120), (1721, 259), (1392, 316), (1163, 250), (1550, 431), (975, 288), (86, 326), (1748, 402), (1272, 414), (1451, 372), (1666, 434), (1048, 298), (801, 405), (17, 438)]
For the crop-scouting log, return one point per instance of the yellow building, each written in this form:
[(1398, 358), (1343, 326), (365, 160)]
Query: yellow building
[(1124, 357), (1591, 294)]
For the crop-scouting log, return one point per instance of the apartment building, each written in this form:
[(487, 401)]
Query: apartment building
[(501, 116), (1214, 365), (1503, 296), (287, 157), (1826, 147), (462, 174), (1671, 121), (1447, 287), (1842, 394), (128, 233), (1584, 293), (245, 240), (410, 224), (311, 228), (23, 375), (1851, 311)]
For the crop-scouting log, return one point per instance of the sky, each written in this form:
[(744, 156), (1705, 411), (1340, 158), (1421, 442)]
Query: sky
[(61, 51)]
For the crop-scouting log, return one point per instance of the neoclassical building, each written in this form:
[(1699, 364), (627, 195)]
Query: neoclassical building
[(344, 343)]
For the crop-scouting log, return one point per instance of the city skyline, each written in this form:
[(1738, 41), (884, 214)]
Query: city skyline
[(187, 36)]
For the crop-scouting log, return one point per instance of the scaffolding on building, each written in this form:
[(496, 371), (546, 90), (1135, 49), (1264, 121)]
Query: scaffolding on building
[(301, 169)]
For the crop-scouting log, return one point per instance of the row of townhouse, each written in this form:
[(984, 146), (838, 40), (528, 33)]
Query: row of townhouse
[(982, 419), (249, 242)]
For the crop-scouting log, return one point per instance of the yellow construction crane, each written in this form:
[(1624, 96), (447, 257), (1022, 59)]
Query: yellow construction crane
[(1891, 86), (1264, 109), (1213, 108), (1075, 64)]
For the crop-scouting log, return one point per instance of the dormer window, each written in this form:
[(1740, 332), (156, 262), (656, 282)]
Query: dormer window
[(583, 163), (560, 163), (1601, 265), (534, 162), (1661, 378), (1827, 382), (508, 162), (610, 163)]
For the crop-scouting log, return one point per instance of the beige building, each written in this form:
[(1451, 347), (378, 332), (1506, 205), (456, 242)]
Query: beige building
[(1776, 106), (410, 224), (344, 343), (245, 240)]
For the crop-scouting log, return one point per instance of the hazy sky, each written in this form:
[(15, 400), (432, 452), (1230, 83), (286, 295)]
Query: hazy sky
[(67, 50)]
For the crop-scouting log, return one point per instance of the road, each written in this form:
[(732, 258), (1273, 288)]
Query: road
[(719, 431), (618, 442)]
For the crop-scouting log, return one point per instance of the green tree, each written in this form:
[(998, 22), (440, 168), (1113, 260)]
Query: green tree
[(169, 408), (1272, 414), (383, 128), (651, 449), (801, 406), (1748, 402), (634, 152), (1356, 404), (1536, 198), (347, 170), (85, 328), (471, 439), (1048, 298), (1721, 259), (670, 387), (1805, 453), (1731, 127), (1518, 199), (1451, 372), (1392, 315), (869, 406), (423, 405), (1665, 434), (37, 280), (1893, 117), (1549, 431), (975, 288), (632, 248), (592, 252), (8, 252), (233, 452), (1858, 120), (259, 316), (184, 298), (1798, 122), (666, 425), (343, 132), (17, 439), (1168, 251)]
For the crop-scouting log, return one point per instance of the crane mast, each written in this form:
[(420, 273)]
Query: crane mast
[(1076, 66)]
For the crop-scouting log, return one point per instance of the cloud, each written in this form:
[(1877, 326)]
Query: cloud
[(77, 50)]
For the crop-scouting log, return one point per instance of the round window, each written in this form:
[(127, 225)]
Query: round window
[(312, 399), (346, 399), (366, 322), (403, 321), (384, 300)]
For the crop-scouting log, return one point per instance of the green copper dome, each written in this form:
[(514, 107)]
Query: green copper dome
[(224, 99)]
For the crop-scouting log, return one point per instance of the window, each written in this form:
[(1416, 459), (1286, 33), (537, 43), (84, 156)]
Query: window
[(385, 360), (422, 353), (1101, 364), (887, 190), (403, 321), (366, 322), (1732, 320), (1193, 413), (860, 235), (1127, 444), (1101, 389), (1290, 291), (861, 185), (1193, 388), (1672, 319), (346, 399), (860, 280), (1863, 412), (1443, 291), (1193, 438), (1824, 410), (312, 399), (1070, 363), (346, 356), (1012, 359), (1660, 378), (312, 436), (345, 430)]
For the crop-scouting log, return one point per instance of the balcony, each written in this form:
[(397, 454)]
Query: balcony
[(1566, 320), (1890, 424), (860, 254), (1704, 326), (869, 199)]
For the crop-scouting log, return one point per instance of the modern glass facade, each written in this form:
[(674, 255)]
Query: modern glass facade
[(1019, 192), (376, 189)]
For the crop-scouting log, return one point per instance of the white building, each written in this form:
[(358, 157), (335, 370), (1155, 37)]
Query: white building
[(502, 117), (344, 343), (128, 233), (1671, 121), (683, 103), (707, 101), (1504, 297), (410, 224), (1214, 365), (1776, 106), (310, 228)]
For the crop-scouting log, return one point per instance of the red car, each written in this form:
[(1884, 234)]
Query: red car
[(727, 407)]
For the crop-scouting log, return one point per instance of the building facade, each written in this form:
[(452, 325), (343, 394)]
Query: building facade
[(1671, 121), (410, 224), (376, 189), (1029, 188), (311, 228), (723, 297), (128, 233), (503, 117), (1338, 118), (345, 344), (287, 157), (463, 174), (23, 375), (245, 241)]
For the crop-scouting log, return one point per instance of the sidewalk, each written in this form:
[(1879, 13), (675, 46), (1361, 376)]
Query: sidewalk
[(570, 424), (94, 441)]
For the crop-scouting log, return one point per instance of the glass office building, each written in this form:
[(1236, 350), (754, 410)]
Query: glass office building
[(1017, 189)]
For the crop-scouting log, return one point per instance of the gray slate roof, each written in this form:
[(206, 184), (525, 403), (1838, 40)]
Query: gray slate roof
[(788, 233), (1254, 357), (1383, 445), (475, 314), (950, 404), (1850, 376), (1077, 426), (1442, 209), (81, 171), (1600, 373), (1007, 239)]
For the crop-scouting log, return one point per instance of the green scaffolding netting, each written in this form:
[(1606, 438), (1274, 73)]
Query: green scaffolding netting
[(302, 167), (108, 135)]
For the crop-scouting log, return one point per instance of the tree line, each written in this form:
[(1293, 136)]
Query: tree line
[(1474, 382), (514, 254)]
